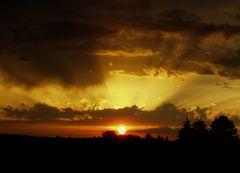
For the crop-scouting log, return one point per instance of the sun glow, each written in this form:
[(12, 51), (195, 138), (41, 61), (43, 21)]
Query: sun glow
[(122, 130)]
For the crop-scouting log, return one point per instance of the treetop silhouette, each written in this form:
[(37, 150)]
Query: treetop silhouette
[(222, 131)]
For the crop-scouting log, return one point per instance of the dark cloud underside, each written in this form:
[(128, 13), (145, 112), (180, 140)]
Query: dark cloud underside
[(165, 114)]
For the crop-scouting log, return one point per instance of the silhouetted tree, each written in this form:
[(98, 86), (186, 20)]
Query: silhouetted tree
[(148, 136), (200, 126), (109, 134), (223, 130), (186, 133), (201, 131), (130, 138), (160, 138)]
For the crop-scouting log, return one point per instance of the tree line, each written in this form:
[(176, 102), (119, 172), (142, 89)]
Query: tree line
[(222, 131)]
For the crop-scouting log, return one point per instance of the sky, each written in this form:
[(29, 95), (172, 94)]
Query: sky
[(79, 67)]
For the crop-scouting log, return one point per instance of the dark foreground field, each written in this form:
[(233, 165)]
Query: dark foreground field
[(197, 149), (118, 152)]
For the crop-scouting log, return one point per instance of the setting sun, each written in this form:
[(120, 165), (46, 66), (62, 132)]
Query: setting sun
[(122, 130)]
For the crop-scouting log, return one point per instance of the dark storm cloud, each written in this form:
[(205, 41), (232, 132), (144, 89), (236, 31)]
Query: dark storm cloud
[(233, 16), (181, 21), (194, 57), (46, 42), (56, 41), (54, 51), (44, 112), (39, 112), (165, 114)]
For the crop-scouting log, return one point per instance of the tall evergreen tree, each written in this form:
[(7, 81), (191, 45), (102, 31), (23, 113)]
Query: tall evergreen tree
[(223, 130), (186, 133)]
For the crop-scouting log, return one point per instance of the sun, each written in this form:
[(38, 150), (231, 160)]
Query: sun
[(122, 130)]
